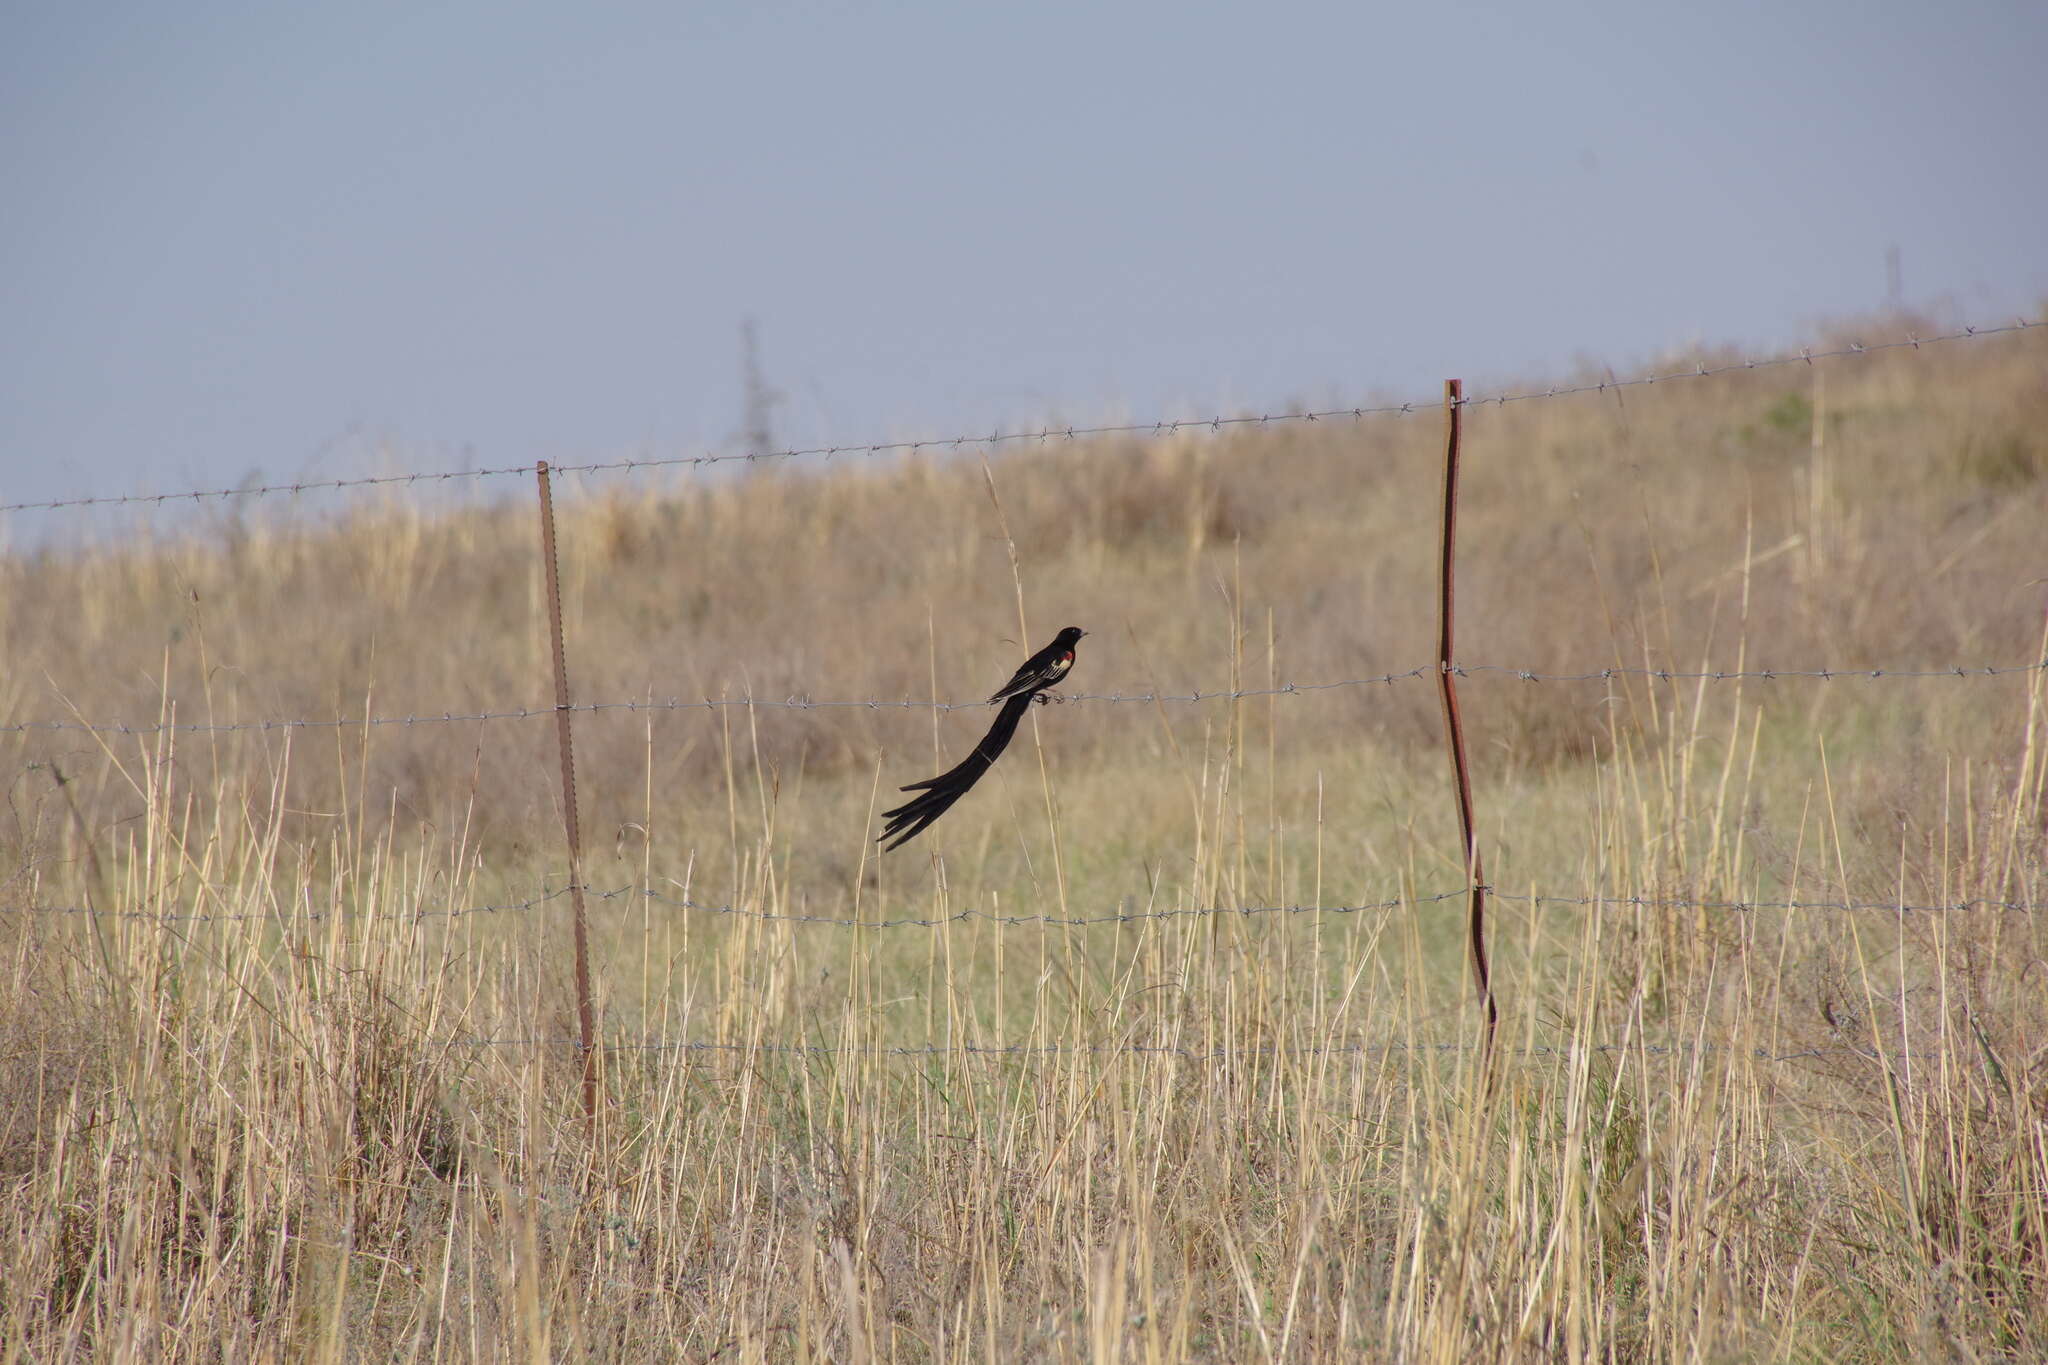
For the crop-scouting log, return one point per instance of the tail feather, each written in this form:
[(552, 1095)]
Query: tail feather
[(910, 819)]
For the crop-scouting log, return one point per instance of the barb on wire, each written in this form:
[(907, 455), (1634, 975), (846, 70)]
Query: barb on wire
[(1039, 435), (806, 703)]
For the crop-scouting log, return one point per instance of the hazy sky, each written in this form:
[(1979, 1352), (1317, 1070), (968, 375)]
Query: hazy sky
[(317, 241)]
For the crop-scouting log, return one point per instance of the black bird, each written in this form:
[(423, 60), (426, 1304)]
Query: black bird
[(1044, 668), (1039, 672)]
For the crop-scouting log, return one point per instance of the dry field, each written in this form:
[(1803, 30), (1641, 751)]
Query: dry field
[(1161, 1045)]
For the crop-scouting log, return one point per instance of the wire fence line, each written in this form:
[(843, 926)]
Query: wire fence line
[(1039, 435), (649, 894), (1053, 1051), (654, 900), (1631, 900), (805, 703)]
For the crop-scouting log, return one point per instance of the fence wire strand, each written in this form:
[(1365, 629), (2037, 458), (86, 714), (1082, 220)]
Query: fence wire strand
[(1052, 1051), (545, 898), (1196, 696), (1637, 901), (999, 438)]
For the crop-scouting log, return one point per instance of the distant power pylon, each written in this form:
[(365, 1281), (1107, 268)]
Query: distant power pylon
[(758, 434)]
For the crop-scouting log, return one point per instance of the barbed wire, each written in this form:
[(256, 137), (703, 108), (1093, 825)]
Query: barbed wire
[(998, 1051), (1636, 901), (1749, 674), (1534, 899), (741, 912), (1702, 370), (795, 702), (1056, 1051), (998, 438), (805, 703), (1654, 902), (309, 916), (1056, 921)]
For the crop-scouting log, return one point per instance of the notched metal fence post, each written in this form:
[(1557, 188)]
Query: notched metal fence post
[(1447, 684), (586, 1016)]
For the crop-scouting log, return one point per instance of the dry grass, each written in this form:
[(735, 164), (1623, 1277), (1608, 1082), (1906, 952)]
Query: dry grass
[(276, 1101)]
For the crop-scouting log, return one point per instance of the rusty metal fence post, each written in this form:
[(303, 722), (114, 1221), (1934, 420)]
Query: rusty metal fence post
[(586, 1017), (1475, 873)]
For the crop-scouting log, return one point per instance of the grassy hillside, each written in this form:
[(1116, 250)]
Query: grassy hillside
[(277, 1085)]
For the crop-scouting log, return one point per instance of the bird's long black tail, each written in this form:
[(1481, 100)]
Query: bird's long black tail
[(908, 820)]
